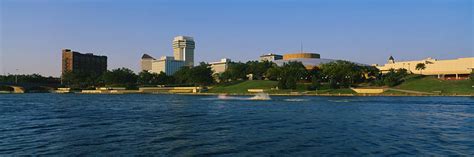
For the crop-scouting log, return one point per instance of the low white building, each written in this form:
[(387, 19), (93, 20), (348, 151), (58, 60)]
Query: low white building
[(270, 57), (221, 66), (166, 64), (146, 62), (459, 68)]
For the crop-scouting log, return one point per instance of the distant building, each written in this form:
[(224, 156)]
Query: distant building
[(309, 60), (270, 57), (391, 60), (166, 64), (146, 62), (84, 63), (221, 66), (300, 55), (183, 49), (444, 69)]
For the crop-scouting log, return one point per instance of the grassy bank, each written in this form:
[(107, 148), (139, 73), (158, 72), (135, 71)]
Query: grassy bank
[(433, 85), (422, 84), (241, 87)]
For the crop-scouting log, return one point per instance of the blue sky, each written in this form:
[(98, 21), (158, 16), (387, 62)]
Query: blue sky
[(33, 32)]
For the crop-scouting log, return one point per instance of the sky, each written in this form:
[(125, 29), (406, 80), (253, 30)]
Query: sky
[(33, 32)]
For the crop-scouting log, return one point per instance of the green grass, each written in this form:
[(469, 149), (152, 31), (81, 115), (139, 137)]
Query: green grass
[(434, 85), (336, 91), (415, 83), (395, 92), (243, 86)]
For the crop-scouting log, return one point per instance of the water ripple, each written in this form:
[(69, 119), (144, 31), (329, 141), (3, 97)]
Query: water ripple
[(181, 125)]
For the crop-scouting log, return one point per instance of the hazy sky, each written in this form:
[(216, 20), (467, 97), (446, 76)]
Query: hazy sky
[(33, 32)]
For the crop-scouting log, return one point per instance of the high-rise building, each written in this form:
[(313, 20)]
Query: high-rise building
[(183, 49), (84, 63)]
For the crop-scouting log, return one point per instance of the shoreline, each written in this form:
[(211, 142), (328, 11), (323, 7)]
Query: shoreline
[(275, 94), (332, 95)]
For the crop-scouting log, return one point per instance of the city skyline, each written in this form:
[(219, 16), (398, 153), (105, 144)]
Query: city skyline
[(35, 31)]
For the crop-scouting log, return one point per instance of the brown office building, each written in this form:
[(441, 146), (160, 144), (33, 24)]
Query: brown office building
[(83, 63)]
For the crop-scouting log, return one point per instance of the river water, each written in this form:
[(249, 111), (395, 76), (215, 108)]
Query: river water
[(184, 125)]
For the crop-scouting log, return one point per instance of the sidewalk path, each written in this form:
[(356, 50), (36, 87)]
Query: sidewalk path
[(410, 91)]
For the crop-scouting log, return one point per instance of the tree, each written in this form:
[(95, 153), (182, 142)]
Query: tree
[(29, 78), (236, 71), (225, 76), (402, 72), (370, 73), (201, 75), (120, 77), (471, 76), (391, 78), (290, 83), (290, 73), (315, 84), (421, 67), (198, 75), (81, 80), (273, 73), (341, 73), (182, 76), (394, 77), (240, 71), (315, 76), (162, 78), (145, 78), (258, 69)]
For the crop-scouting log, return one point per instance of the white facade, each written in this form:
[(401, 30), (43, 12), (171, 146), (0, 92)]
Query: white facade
[(221, 66), (270, 57), (146, 62), (456, 67), (167, 65), (183, 49)]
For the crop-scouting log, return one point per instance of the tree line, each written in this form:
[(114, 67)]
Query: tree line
[(31, 78), (337, 74), (200, 75)]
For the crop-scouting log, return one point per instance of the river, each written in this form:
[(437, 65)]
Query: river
[(187, 125)]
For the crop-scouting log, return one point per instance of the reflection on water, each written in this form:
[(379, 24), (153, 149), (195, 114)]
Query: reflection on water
[(178, 125), (257, 96), (296, 99)]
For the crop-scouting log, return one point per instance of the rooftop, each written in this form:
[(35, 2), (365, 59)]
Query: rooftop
[(146, 56), (183, 38)]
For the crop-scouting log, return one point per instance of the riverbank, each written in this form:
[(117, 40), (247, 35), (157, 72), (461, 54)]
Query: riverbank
[(415, 86), (275, 94), (335, 95)]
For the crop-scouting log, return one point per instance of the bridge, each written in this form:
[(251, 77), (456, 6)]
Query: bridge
[(26, 87)]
